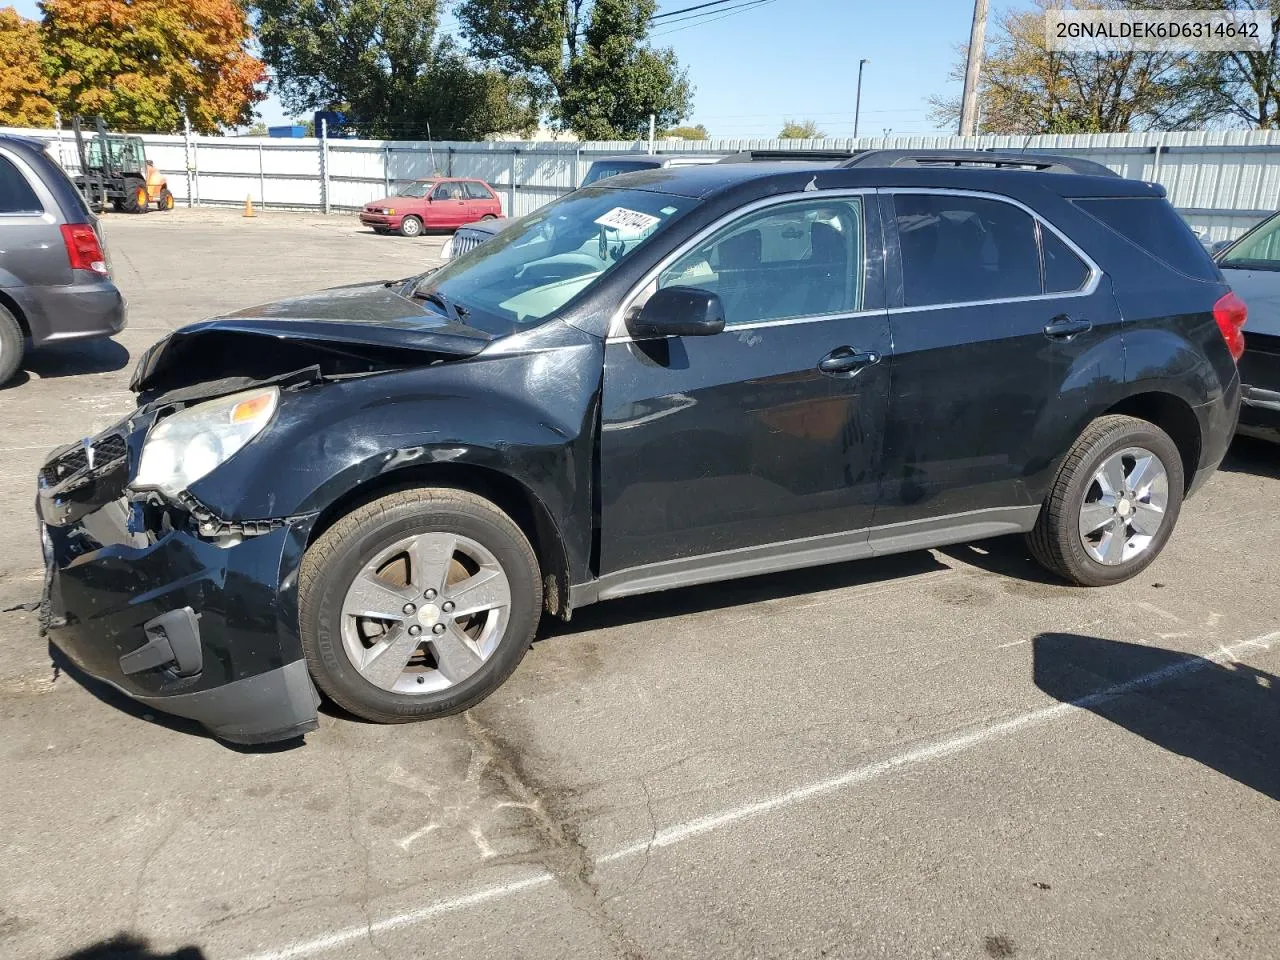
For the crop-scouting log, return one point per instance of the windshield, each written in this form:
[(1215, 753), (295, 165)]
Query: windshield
[(414, 190), (1259, 250), (603, 169), (541, 262)]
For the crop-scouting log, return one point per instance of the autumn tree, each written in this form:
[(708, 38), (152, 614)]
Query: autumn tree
[(24, 87), (380, 62), (1240, 87), (138, 63), (1026, 88), (800, 130), (587, 63)]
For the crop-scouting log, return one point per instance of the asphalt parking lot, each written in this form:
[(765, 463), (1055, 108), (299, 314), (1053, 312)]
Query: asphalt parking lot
[(944, 754)]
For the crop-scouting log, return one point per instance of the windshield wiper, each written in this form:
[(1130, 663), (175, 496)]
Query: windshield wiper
[(454, 311)]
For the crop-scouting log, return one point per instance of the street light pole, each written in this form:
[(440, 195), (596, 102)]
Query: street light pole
[(857, 103)]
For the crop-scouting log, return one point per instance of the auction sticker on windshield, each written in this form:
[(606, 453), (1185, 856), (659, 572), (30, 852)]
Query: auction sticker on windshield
[(632, 221)]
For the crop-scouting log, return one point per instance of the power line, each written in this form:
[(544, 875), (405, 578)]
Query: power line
[(700, 6), (703, 18)]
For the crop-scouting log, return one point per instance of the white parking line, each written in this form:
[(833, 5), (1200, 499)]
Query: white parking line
[(680, 832)]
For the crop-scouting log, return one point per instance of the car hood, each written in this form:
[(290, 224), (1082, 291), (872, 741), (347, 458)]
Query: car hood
[(343, 331), (490, 227)]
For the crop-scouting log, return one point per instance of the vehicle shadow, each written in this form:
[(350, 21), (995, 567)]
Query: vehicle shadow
[(128, 946), (1007, 556), (733, 593), (74, 359), (1253, 455), (1223, 715), (114, 698)]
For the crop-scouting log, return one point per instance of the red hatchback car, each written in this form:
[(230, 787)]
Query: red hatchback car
[(441, 203)]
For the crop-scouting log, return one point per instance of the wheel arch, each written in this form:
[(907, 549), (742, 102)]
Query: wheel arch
[(1174, 416), (19, 314), (506, 492)]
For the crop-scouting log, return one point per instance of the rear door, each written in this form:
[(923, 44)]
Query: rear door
[(32, 251), (1252, 268), (994, 314), (739, 440), (480, 202)]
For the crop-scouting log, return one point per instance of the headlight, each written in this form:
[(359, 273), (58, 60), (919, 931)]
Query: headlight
[(181, 449), (446, 252), (388, 210)]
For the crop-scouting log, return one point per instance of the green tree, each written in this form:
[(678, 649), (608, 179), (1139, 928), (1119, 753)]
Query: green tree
[(381, 62), (698, 132), (587, 63), (800, 130)]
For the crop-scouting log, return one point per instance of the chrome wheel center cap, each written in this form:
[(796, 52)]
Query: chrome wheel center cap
[(428, 614), (1124, 507)]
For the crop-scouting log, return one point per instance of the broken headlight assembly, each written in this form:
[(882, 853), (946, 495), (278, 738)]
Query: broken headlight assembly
[(190, 444)]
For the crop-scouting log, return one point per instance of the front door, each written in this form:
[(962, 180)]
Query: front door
[(996, 311), (448, 206), (771, 431)]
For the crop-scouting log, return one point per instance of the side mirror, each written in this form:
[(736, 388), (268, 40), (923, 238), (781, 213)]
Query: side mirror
[(678, 312)]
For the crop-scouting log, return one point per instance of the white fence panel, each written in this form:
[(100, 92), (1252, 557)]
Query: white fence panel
[(1221, 181)]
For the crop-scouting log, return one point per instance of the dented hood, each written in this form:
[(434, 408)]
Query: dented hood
[(344, 331)]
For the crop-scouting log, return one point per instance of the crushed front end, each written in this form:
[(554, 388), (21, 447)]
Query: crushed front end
[(172, 605)]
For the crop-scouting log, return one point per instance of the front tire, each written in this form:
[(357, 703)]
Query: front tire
[(11, 346), (418, 605), (1113, 505), (410, 227)]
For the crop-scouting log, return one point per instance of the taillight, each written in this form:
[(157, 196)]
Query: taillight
[(1231, 314), (83, 249)]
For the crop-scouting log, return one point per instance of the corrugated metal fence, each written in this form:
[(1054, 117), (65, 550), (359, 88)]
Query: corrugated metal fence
[(1222, 182)]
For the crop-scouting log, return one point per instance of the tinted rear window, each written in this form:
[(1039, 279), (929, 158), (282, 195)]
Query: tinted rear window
[(1154, 226), (16, 195)]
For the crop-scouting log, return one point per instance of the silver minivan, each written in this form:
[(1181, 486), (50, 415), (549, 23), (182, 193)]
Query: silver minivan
[(55, 278)]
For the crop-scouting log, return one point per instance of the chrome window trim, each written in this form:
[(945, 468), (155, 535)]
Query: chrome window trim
[(617, 326), (1090, 285)]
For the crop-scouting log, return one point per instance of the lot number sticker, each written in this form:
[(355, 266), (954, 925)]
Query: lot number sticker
[(628, 221)]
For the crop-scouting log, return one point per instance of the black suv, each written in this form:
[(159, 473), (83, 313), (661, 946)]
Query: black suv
[(669, 378)]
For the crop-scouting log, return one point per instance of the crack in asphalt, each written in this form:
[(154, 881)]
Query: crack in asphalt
[(563, 854)]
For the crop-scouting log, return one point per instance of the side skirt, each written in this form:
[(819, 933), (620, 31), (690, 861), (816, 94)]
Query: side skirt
[(810, 552)]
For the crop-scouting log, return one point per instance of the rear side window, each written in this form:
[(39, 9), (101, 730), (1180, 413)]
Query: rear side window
[(1154, 225), (603, 169), (1259, 250), (1064, 272), (958, 249), (476, 191), (16, 195)]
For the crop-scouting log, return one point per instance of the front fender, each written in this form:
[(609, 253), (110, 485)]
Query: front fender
[(528, 414)]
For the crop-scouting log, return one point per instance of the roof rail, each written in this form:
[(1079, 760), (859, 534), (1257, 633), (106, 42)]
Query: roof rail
[(989, 159), (768, 156)]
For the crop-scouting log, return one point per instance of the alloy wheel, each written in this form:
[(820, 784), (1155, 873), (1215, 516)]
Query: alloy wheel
[(426, 613), (1124, 506)]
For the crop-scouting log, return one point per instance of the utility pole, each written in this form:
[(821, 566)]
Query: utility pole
[(653, 130), (973, 71), (857, 103)]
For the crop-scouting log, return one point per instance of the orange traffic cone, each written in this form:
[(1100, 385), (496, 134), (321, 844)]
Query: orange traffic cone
[(248, 206)]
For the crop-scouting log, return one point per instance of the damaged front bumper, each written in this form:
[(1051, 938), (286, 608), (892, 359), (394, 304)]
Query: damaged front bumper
[(138, 596)]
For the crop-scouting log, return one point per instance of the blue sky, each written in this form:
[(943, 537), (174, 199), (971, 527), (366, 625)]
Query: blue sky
[(799, 58)]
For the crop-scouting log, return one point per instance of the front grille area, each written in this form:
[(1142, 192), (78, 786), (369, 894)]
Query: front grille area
[(108, 450), (69, 464), (74, 463), (466, 242)]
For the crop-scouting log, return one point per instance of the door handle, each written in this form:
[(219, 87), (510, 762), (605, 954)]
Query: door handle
[(1063, 327), (846, 361)]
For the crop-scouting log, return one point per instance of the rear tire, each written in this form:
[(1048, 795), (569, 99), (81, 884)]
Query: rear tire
[(399, 541), (11, 346), (165, 202), (1128, 525), (490, 216), (410, 227)]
